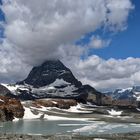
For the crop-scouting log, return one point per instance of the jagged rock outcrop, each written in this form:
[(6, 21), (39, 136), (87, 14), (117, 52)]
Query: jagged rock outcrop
[(90, 94), (48, 72), (10, 108), (4, 91)]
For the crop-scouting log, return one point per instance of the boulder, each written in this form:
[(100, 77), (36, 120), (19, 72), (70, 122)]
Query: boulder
[(10, 108)]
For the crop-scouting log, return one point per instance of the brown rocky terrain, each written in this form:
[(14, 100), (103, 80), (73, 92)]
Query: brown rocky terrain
[(10, 108), (125, 104), (60, 103)]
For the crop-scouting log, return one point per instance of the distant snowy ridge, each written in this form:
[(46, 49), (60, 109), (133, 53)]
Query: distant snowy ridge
[(131, 93)]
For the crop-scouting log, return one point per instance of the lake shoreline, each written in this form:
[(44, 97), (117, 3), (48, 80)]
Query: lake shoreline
[(120, 136)]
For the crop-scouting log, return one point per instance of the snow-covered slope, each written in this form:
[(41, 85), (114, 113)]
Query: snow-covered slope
[(15, 89), (52, 113), (132, 93), (59, 88)]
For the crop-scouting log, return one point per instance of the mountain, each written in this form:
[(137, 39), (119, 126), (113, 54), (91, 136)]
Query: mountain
[(132, 93), (53, 79), (48, 72)]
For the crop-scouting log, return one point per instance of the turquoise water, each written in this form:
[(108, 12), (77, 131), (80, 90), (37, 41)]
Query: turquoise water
[(40, 126), (47, 127)]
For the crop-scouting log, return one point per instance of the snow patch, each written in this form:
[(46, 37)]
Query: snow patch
[(114, 112), (126, 89), (28, 114), (138, 109), (1, 100), (14, 88), (50, 117), (16, 119), (77, 109), (54, 102), (59, 82)]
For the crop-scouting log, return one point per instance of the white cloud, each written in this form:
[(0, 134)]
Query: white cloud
[(11, 65), (39, 27), (107, 74), (96, 42), (44, 25), (118, 11), (38, 30)]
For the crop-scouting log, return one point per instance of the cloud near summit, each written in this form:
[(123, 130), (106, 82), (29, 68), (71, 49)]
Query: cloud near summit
[(36, 30)]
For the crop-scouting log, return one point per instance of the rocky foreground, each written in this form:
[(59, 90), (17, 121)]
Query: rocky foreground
[(127, 136), (10, 108)]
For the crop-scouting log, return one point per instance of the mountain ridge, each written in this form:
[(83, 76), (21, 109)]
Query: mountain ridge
[(130, 93), (52, 79)]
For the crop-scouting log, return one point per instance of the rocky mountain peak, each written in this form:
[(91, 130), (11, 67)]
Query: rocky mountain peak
[(53, 79), (48, 72)]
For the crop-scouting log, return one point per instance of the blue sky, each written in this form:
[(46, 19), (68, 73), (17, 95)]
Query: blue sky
[(124, 44), (1, 19), (127, 43)]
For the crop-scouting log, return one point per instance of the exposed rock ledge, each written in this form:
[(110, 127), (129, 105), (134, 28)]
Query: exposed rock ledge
[(59, 103), (10, 108)]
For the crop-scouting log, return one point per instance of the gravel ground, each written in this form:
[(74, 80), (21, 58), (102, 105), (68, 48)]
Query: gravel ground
[(128, 136)]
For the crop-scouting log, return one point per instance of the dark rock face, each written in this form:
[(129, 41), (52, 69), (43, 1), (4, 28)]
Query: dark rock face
[(88, 93), (48, 72), (4, 90)]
